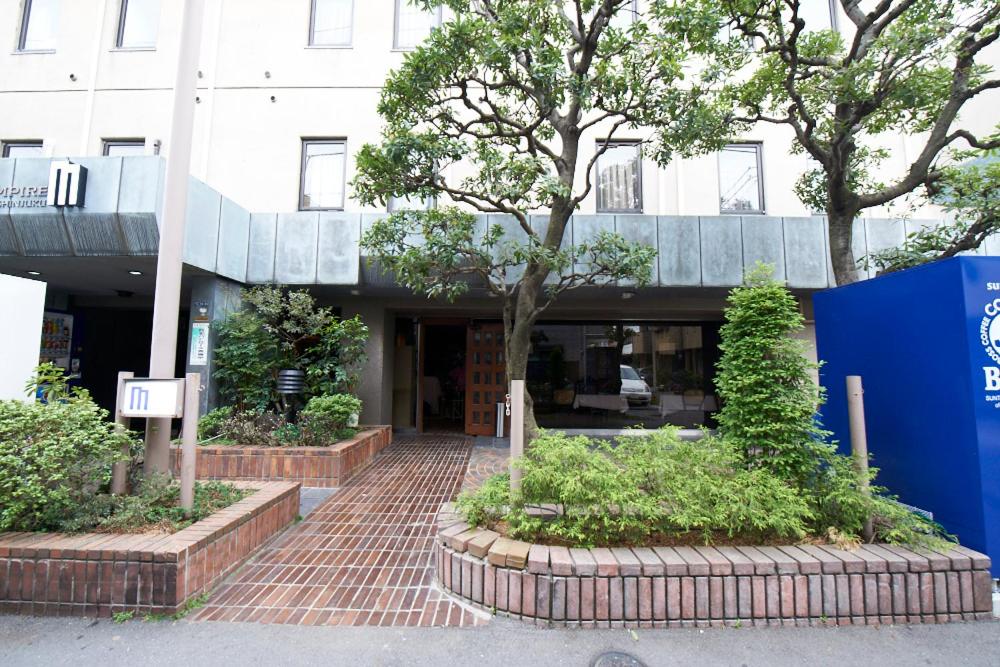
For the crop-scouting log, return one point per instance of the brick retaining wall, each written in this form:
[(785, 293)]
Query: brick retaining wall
[(96, 574), (706, 586), (311, 466)]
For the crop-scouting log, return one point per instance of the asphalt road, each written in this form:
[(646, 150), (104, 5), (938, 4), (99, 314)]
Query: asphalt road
[(79, 642)]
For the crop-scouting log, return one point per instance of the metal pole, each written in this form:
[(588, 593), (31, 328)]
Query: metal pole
[(516, 430), (119, 472), (169, 262), (189, 431), (859, 439)]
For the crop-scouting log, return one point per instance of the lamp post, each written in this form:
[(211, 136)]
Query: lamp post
[(169, 262)]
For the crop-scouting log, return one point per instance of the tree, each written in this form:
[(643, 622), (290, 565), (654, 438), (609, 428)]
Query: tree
[(507, 93), (906, 67)]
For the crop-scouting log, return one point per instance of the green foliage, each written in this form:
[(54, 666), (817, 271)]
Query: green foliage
[(331, 418), (903, 68), (769, 398), (153, 505), (51, 383), (768, 415), (210, 424), (53, 457), (970, 195), (281, 329), (122, 616), (638, 487), (247, 360)]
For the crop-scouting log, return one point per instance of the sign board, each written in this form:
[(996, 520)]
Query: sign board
[(146, 397), (199, 344), (67, 187)]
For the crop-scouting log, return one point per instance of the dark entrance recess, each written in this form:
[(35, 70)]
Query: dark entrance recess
[(443, 381), (117, 339)]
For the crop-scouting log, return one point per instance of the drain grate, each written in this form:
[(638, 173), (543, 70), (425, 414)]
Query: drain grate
[(617, 659)]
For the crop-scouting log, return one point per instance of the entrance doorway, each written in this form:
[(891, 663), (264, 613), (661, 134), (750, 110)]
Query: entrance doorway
[(443, 378)]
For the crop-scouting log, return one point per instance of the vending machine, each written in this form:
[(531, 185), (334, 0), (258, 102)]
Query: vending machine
[(58, 344)]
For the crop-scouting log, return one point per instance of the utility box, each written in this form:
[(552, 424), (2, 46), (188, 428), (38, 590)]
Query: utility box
[(926, 342)]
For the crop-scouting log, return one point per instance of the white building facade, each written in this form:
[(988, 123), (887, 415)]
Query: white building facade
[(287, 95)]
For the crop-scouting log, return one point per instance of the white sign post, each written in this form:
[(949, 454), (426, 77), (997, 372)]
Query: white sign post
[(153, 398), (516, 430)]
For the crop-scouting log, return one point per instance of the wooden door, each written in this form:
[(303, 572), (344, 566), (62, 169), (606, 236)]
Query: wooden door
[(486, 382)]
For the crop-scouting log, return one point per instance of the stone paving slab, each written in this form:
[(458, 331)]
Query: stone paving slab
[(364, 556)]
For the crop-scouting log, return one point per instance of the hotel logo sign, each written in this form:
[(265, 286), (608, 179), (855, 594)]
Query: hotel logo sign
[(67, 187), (67, 184)]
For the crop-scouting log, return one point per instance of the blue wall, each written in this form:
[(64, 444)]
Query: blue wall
[(933, 422)]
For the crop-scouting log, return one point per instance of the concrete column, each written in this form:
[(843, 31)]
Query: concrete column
[(212, 299), (375, 387)]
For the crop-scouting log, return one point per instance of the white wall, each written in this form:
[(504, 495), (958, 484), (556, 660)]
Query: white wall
[(23, 302), (248, 147)]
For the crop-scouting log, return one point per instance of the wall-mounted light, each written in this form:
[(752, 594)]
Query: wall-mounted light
[(135, 272), (157, 145), (273, 99), (72, 77), (267, 74)]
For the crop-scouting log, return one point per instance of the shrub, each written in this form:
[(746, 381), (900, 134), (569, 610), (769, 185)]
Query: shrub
[(768, 415), (330, 418), (53, 458), (635, 488), (247, 360), (212, 423), (769, 398), (154, 505)]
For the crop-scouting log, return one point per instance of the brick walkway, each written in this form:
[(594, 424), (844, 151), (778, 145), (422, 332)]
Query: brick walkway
[(363, 557), (483, 464)]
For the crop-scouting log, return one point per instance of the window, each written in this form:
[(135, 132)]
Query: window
[(322, 185), (22, 149), (138, 23), (741, 189), (817, 14), (124, 147), (619, 179), (331, 22), (413, 24), (38, 26)]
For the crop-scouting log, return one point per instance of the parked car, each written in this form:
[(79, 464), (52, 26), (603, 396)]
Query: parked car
[(634, 388)]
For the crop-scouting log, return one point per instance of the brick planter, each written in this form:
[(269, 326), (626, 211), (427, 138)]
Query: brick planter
[(311, 466), (705, 586), (96, 574)]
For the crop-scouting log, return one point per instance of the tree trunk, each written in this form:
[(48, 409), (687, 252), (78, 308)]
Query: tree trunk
[(845, 265)]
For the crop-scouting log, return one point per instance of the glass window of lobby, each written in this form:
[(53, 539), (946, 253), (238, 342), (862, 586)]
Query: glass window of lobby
[(331, 22), (17, 149), (323, 183), (38, 25), (138, 24), (741, 188), (413, 24), (619, 179), (124, 147)]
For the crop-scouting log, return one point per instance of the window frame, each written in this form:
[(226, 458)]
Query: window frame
[(5, 146), (395, 25), (306, 141), (22, 35), (759, 153), (639, 187), (311, 41), (107, 144), (122, 13)]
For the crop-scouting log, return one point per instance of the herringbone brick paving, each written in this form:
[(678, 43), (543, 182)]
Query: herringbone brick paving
[(363, 557)]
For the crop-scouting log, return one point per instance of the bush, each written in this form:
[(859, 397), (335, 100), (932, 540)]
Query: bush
[(768, 415), (279, 329), (637, 488), (212, 423), (53, 458), (154, 505), (331, 418)]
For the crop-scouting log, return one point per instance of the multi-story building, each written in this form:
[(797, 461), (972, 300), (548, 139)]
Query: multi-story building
[(287, 94)]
